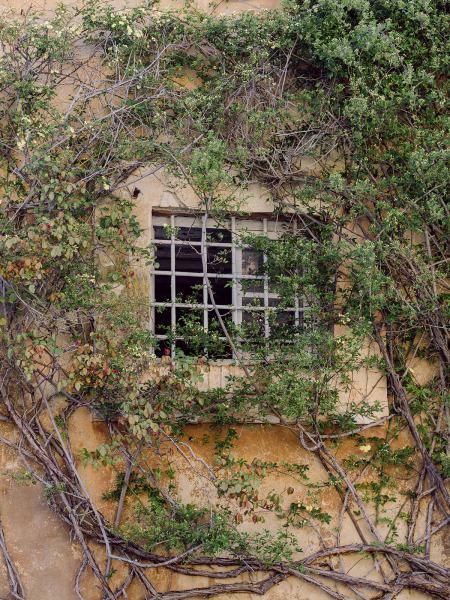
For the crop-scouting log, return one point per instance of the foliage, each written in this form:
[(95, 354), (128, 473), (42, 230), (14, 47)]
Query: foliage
[(337, 109)]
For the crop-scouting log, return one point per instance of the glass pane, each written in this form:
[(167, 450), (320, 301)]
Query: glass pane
[(162, 288), (283, 318), (257, 301), (222, 351), (189, 289), (252, 262), (253, 320), (255, 286), (253, 324), (217, 346), (189, 321), (280, 315), (282, 322)]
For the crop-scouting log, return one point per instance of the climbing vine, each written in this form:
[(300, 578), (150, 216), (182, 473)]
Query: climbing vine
[(337, 110)]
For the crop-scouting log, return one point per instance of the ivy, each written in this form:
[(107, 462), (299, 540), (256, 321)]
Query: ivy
[(337, 110)]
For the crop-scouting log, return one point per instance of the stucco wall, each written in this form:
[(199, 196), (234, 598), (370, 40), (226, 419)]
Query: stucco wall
[(47, 559), (39, 543)]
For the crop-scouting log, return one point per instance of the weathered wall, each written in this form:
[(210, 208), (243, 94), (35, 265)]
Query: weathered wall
[(229, 7), (39, 544), (47, 559)]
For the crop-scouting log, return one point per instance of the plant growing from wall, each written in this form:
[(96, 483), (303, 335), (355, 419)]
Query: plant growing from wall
[(91, 101)]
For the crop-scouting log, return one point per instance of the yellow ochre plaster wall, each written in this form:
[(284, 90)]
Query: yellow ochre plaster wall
[(39, 543)]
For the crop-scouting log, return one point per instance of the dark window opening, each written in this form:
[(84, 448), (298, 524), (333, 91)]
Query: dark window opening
[(183, 314)]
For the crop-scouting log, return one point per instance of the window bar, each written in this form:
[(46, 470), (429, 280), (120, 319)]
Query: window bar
[(234, 292), (193, 244), (266, 289), (152, 317), (297, 305), (204, 252), (236, 270), (210, 275), (173, 291), (235, 277)]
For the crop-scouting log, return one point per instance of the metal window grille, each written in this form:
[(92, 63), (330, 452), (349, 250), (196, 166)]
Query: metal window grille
[(178, 283)]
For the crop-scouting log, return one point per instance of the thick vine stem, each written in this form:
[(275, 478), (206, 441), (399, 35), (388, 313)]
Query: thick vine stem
[(189, 565), (17, 589), (332, 113), (401, 397)]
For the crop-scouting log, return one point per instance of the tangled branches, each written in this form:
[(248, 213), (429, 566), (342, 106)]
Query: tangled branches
[(337, 110)]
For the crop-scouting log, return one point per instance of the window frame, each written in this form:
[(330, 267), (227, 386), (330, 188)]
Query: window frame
[(267, 226)]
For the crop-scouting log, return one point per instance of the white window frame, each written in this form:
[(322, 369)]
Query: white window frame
[(260, 225)]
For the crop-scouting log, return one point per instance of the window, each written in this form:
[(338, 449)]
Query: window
[(235, 271)]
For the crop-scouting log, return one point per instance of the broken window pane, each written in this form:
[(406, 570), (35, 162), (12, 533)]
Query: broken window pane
[(161, 232), (222, 236), (189, 289), (162, 258), (162, 320), (162, 288), (222, 290), (188, 259), (246, 271), (219, 260)]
